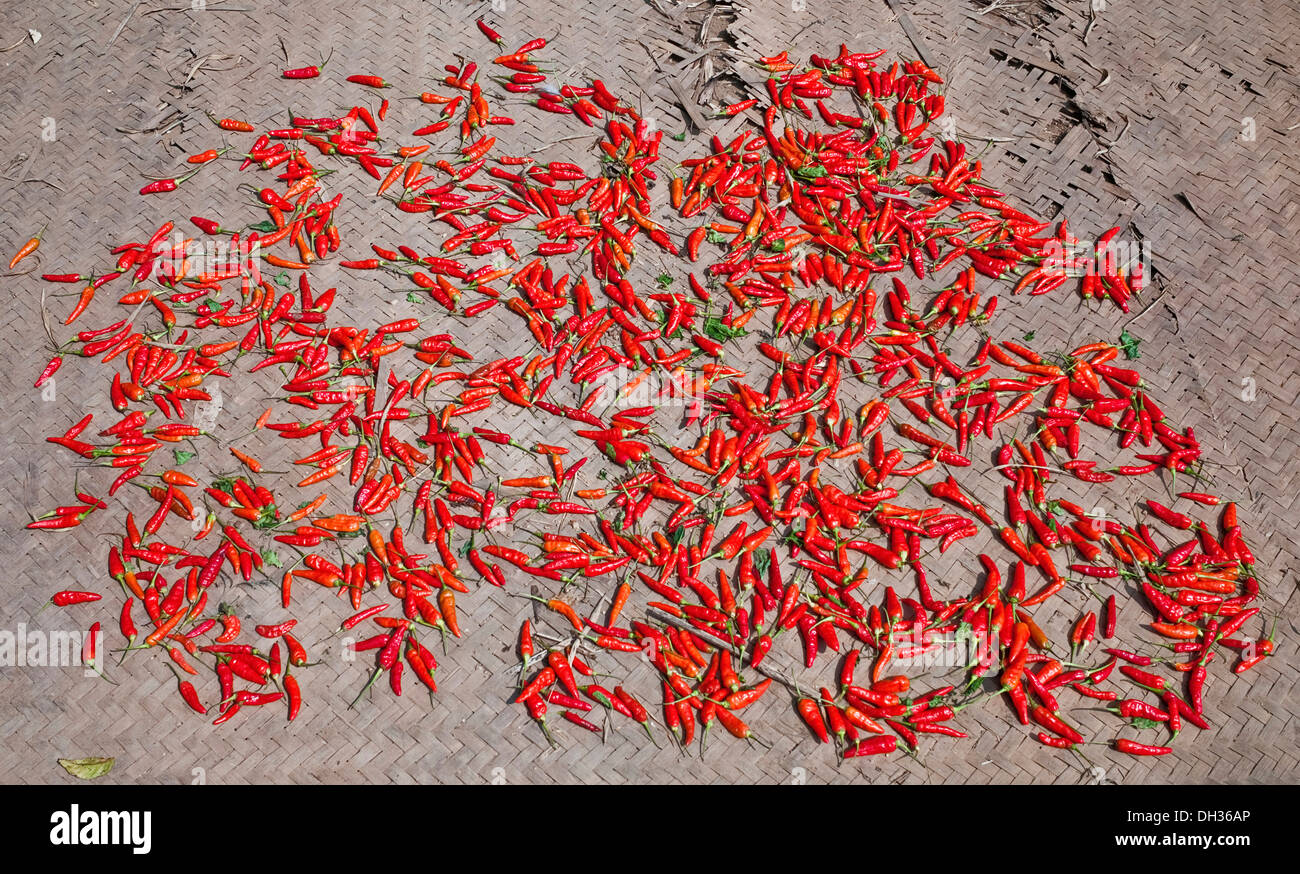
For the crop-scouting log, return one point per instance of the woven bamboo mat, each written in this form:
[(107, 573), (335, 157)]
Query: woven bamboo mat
[(1175, 119)]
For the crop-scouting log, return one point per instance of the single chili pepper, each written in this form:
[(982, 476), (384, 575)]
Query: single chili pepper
[(1247, 663), (810, 712), (566, 611), (1050, 721), (544, 678), (191, 696), (370, 81), (447, 604), (274, 631), (1108, 626), (357, 618), (70, 597), (50, 369), (231, 124), (1131, 708), (872, 746), (526, 649), (621, 595), (304, 73), (637, 711), (563, 671), (1139, 660), (297, 654), (581, 722), (1196, 687), (294, 695), (607, 699), (490, 33), (1134, 748), (1090, 692), (26, 249), (1138, 675)]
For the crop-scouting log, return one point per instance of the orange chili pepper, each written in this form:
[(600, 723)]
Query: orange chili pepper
[(251, 463), (27, 248)]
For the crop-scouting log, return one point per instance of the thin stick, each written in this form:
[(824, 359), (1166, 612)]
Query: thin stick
[(212, 8), (988, 139), (121, 26), (1148, 309), (45, 321), (556, 142)]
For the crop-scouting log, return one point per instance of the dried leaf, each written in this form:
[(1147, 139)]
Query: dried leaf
[(88, 769)]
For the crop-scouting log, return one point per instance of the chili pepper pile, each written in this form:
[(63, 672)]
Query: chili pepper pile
[(845, 441)]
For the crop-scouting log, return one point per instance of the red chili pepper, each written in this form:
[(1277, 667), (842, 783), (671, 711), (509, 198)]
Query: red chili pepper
[(1133, 748), (50, 369), (582, 723), (191, 697), (294, 695), (544, 678), (810, 712), (563, 672), (273, 631), (1131, 708), (1143, 677), (232, 124), (1052, 722), (490, 33), (69, 598), (160, 185)]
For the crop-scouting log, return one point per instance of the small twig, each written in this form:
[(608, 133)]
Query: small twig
[(1147, 310), (21, 178), (26, 161), (997, 6), (45, 321), (913, 35), (200, 62), (556, 142), (213, 8), (165, 130), (1092, 21), (1109, 144), (122, 26), (972, 136), (42, 181)]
